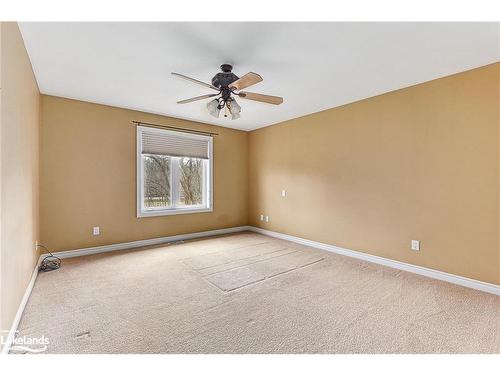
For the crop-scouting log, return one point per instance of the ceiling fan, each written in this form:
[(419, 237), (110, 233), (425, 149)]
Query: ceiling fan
[(227, 84)]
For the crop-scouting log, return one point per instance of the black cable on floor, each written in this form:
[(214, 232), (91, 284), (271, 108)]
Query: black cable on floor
[(50, 262)]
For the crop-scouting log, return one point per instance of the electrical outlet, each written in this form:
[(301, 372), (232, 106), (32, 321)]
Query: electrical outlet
[(261, 217), (96, 231), (415, 245), (267, 219), (283, 193)]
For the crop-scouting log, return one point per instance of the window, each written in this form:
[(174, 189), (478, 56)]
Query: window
[(174, 172)]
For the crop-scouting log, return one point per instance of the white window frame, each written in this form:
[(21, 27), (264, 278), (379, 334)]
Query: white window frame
[(208, 180)]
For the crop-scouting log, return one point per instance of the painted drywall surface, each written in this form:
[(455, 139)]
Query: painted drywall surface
[(20, 120), (419, 163), (89, 177), (3, 333)]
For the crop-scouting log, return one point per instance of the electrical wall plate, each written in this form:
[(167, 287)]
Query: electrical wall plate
[(415, 245)]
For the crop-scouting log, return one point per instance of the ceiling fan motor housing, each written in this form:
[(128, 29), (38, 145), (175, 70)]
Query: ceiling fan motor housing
[(224, 79)]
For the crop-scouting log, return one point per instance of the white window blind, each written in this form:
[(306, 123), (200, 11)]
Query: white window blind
[(172, 143)]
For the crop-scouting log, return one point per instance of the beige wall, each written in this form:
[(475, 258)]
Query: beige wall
[(19, 154), (89, 177), (419, 163)]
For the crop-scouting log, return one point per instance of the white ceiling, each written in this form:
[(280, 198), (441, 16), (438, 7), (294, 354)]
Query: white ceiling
[(314, 66)]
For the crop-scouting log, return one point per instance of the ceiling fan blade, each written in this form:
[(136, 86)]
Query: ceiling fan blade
[(247, 80), (261, 97), (196, 98), (195, 81)]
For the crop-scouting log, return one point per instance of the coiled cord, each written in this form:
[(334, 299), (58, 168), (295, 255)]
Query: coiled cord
[(50, 262)]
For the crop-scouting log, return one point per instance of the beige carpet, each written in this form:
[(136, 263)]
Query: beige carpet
[(248, 293)]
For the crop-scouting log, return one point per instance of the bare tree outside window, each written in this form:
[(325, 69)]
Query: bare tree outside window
[(191, 180), (157, 181)]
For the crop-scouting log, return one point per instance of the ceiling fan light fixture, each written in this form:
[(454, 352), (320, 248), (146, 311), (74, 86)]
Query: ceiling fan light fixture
[(234, 107), (213, 108)]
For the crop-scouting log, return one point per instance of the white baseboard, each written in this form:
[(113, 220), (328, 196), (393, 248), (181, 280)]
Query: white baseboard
[(141, 243), (13, 328), (429, 272)]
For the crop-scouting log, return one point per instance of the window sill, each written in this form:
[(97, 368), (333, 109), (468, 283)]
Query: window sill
[(178, 211)]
